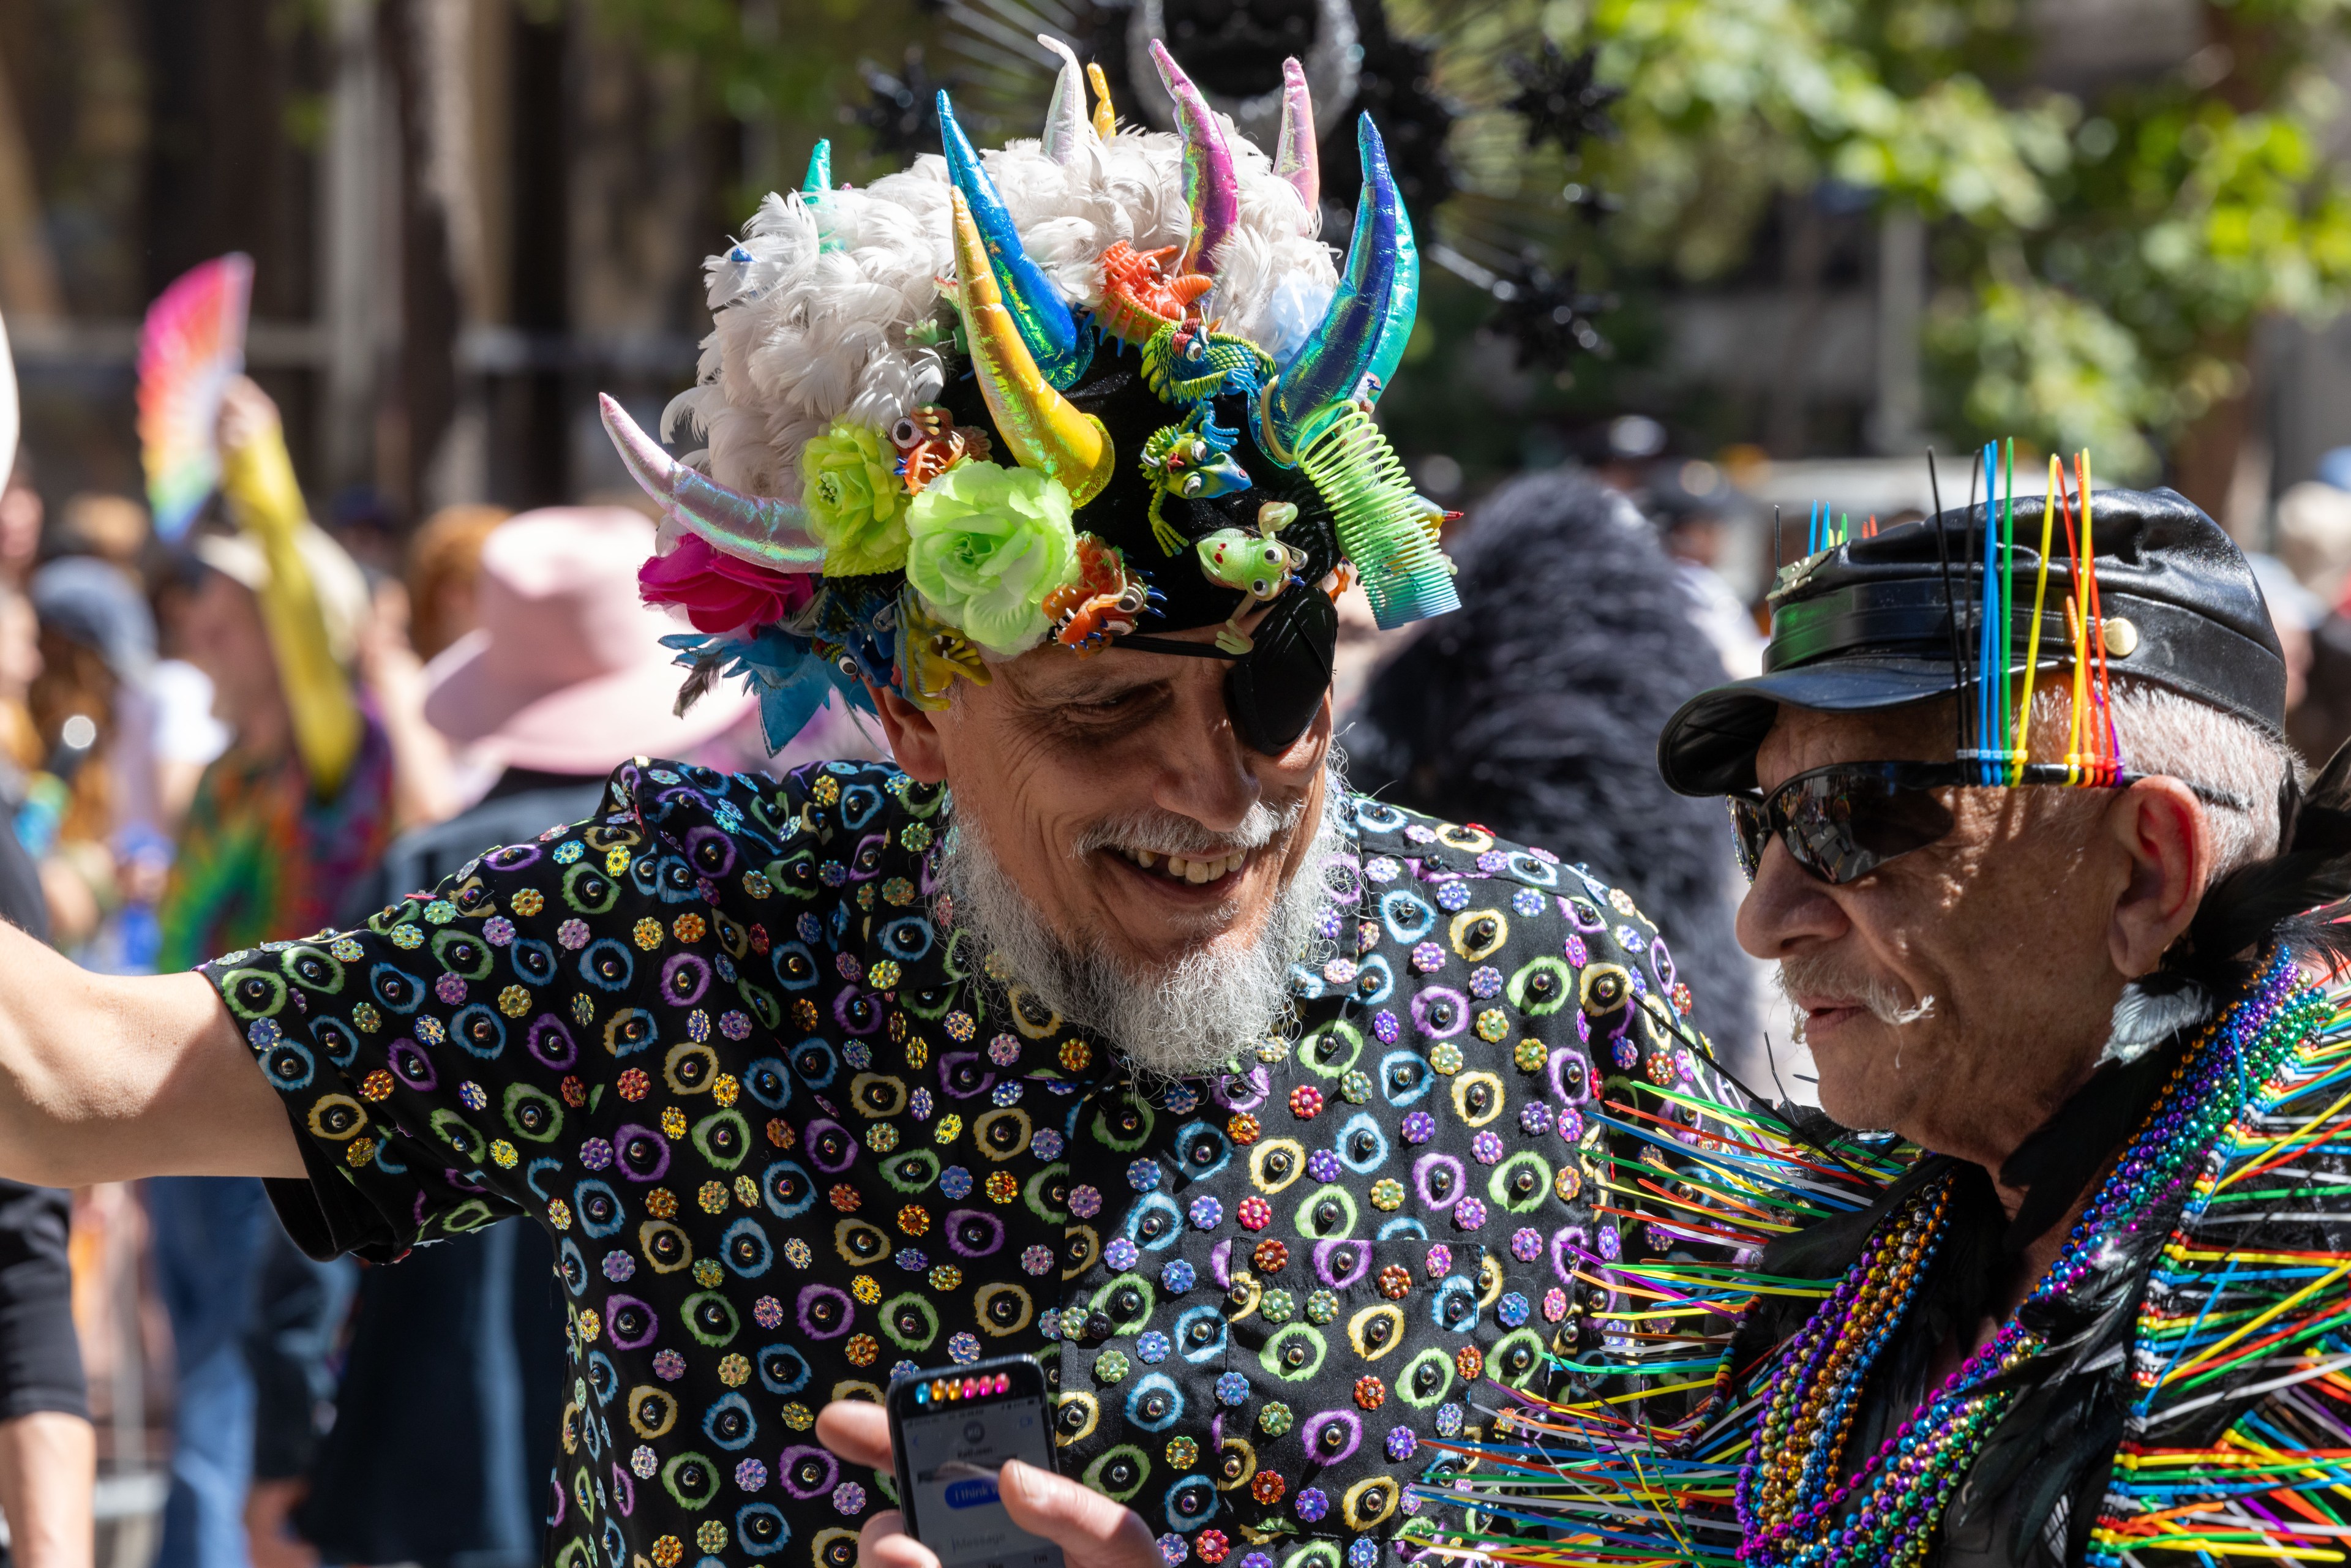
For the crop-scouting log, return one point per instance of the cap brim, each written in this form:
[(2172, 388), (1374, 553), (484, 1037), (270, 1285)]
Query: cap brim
[(1708, 746), (589, 727)]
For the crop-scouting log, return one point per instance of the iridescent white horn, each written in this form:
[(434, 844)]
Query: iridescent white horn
[(1299, 159), (764, 530), (1068, 130)]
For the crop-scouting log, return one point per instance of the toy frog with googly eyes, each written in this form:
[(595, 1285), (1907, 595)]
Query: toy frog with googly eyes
[(1260, 566)]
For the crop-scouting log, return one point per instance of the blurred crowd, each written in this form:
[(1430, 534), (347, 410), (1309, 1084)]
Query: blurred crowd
[(263, 731), (259, 732)]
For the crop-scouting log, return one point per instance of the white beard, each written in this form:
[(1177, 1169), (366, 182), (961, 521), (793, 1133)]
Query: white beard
[(1182, 1018)]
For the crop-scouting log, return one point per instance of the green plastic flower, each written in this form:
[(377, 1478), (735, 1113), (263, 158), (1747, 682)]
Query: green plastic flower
[(856, 505), (986, 545)]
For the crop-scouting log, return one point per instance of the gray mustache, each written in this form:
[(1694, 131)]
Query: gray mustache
[(1823, 974), (1171, 833)]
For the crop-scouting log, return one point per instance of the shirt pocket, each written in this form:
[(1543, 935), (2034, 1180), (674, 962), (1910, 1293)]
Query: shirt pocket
[(1342, 1358)]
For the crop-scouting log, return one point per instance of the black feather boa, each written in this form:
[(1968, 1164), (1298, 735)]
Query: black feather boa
[(1535, 713)]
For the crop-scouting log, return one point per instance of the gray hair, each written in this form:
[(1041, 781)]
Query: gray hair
[(2167, 733)]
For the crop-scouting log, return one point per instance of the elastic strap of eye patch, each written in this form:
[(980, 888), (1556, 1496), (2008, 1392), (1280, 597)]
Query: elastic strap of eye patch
[(1182, 649)]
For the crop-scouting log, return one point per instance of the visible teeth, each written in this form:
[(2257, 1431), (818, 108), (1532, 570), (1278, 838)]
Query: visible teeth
[(1188, 868)]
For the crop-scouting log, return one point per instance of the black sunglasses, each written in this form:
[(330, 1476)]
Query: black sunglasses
[(1274, 690), (1843, 821)]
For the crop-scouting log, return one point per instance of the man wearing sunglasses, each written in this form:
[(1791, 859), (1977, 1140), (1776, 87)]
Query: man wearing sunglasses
[(2076, 979)]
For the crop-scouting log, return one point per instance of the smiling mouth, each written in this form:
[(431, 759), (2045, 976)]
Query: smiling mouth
[(1197, 870)]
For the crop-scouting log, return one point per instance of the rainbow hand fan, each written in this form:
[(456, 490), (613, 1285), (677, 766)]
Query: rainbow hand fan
[(193, 341)]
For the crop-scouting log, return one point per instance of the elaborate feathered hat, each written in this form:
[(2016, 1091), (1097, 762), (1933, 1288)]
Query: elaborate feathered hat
[(1102, 384)]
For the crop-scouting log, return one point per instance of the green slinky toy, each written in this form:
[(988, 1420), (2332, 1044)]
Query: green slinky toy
[(1386, 530)]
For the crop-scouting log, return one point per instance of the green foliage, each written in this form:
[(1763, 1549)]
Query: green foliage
[(2037, 362), (2100, 263), (1729, 101), (787, 66), (2100, 260)]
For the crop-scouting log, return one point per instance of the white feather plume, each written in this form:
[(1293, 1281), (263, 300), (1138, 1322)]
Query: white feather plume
[(813, 307)]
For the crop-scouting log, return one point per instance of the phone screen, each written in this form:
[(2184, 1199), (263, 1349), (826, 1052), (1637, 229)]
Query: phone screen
[(948, 1456)]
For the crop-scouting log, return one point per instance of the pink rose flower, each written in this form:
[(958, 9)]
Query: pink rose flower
[(719, 592)]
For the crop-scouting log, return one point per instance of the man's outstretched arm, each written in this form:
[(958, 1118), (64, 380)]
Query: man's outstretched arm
[(106, 1079)]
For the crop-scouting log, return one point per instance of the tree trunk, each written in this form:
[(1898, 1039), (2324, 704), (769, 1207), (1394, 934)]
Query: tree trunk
[(2205, 455), (435, 224)]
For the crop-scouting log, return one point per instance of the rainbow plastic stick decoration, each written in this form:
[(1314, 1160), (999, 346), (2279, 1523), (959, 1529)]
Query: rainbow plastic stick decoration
[(193, 341), (2074, 636), (2108, 739), (2007, 590), (1990, 658), (2022, 749)]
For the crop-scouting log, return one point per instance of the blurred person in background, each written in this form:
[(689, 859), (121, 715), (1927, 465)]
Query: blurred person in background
[(2323, 722), (105, 857), (1535, 716), (1691, 504), (189, 738), (2295, 613), (453, 1384), (114, 529), (413, 619), (2313, 526), (20, 666), (444, 560), (21, 514), (282, 824), (1624, 452)]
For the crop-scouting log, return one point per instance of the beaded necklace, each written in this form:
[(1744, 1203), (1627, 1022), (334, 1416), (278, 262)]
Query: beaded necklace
[(1793, 1511)]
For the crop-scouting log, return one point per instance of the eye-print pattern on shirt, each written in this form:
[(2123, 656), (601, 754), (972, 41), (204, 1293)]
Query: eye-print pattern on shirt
[(793, 1138)]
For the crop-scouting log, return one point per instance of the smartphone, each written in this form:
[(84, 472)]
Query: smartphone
[(952, 1429)]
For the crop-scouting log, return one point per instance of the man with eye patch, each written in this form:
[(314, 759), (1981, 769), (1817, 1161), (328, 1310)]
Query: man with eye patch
[(864, 1129), (816, 1081), (2057, 908)]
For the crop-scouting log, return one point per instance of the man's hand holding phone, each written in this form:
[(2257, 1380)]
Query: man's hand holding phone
[(1092, 1531)]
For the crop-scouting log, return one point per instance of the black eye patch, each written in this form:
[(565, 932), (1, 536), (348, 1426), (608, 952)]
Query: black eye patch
[(1273, 691)]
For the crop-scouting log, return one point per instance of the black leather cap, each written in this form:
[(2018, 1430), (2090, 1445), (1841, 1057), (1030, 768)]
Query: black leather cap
[(1868, 626)]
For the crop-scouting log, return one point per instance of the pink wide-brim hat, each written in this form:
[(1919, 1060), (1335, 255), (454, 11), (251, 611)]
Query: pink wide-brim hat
[(566, 672)]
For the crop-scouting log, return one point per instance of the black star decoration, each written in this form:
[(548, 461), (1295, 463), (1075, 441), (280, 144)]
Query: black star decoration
[(902, 111), (1558, 100), (1548, 318)]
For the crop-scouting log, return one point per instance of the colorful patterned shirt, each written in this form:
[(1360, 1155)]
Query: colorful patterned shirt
[(794, 1137), (261, 856)]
